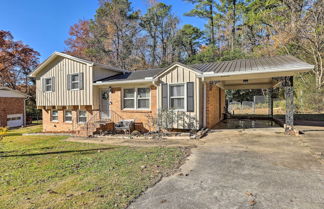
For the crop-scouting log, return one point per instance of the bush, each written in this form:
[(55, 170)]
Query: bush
[(3, 132), (308, 98)]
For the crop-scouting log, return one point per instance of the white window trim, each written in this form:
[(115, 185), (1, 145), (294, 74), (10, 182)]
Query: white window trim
[(136, 99), (149, 98), (85, 116), (45, 85), (175, 97), (65, 121), (78, 81), (52, 116)]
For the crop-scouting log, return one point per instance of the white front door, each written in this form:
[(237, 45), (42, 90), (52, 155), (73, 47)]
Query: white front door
[(104, 104), (15, 120)]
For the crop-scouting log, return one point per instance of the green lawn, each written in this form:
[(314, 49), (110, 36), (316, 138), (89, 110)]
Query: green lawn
[(48, 172)]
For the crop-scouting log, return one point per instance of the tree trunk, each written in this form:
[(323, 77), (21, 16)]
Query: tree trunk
[(153, 51), (26, 91), (234, 25), (212, 27)]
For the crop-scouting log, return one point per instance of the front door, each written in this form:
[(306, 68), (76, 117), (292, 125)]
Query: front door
[(104, 104)]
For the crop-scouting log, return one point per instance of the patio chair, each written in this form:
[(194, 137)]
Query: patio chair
[(127, 126)]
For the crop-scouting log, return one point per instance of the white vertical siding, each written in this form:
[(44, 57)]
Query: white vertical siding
[(60, 68), (183, 75)]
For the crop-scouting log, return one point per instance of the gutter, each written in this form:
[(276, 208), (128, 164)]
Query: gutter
[(149, 80), (154, 82), (213, 74)]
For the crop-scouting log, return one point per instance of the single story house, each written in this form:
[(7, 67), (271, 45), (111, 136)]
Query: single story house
[(12, 108), (74, 94)]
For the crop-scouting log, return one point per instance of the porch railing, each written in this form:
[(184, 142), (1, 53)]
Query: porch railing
[(115, 117)]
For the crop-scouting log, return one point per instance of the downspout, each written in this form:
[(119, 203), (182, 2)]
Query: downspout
[(205, 104), (157, 96)]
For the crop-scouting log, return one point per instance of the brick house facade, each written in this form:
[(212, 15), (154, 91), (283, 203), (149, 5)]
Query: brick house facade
[(11, 103), (141, 117), (100, 95)]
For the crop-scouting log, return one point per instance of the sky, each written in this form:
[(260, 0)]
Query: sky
[(44, 24)]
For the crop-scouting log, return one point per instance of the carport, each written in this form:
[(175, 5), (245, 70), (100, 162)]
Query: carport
[(260, 73)]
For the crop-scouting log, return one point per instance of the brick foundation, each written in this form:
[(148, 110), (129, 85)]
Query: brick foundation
[(65, 127)]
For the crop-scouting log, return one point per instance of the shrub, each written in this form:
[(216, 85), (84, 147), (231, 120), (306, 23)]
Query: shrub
[(3, 132)]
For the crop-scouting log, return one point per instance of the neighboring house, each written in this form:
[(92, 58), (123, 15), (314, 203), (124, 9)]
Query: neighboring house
[(12, 108), (74, 93)]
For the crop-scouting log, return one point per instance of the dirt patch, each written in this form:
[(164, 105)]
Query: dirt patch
[(140, 142)]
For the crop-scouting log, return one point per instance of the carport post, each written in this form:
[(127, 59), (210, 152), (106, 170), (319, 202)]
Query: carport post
[(270, 102), (289, 94)]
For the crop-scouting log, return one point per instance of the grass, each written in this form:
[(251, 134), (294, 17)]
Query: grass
[(48, 172)]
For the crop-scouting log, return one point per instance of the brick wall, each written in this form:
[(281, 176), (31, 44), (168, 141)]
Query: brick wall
[(142, 122), (215, 103), (65, 127), (223, 102), (10, 106)]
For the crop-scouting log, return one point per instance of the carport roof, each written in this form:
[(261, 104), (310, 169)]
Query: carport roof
[(264, 64)]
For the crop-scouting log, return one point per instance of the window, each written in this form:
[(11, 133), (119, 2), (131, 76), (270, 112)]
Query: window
[(75, 81), (143, 98), (68, 116), (82, 116), (137, 98), (177, 97), (129, 98), (48, 84), (13, 118), (54, 115)]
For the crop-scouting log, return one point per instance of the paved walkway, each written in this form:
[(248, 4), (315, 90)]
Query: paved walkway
[(244, 169)]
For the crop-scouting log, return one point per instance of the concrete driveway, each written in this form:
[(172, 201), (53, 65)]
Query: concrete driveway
[(260, 168)]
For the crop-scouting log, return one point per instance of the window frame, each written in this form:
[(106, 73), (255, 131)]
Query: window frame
[(52, 120), (77, 81), (136, 99), (123, 99), (86, 116), (66, 121), (145, 98), (184, 97), (46, 85)]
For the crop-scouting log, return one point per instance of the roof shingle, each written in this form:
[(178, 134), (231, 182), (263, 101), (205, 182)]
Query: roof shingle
[(134, 75)]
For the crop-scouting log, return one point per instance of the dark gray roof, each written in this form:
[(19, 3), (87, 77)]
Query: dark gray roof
[(256, 64), (264, 64), (133, 75)]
